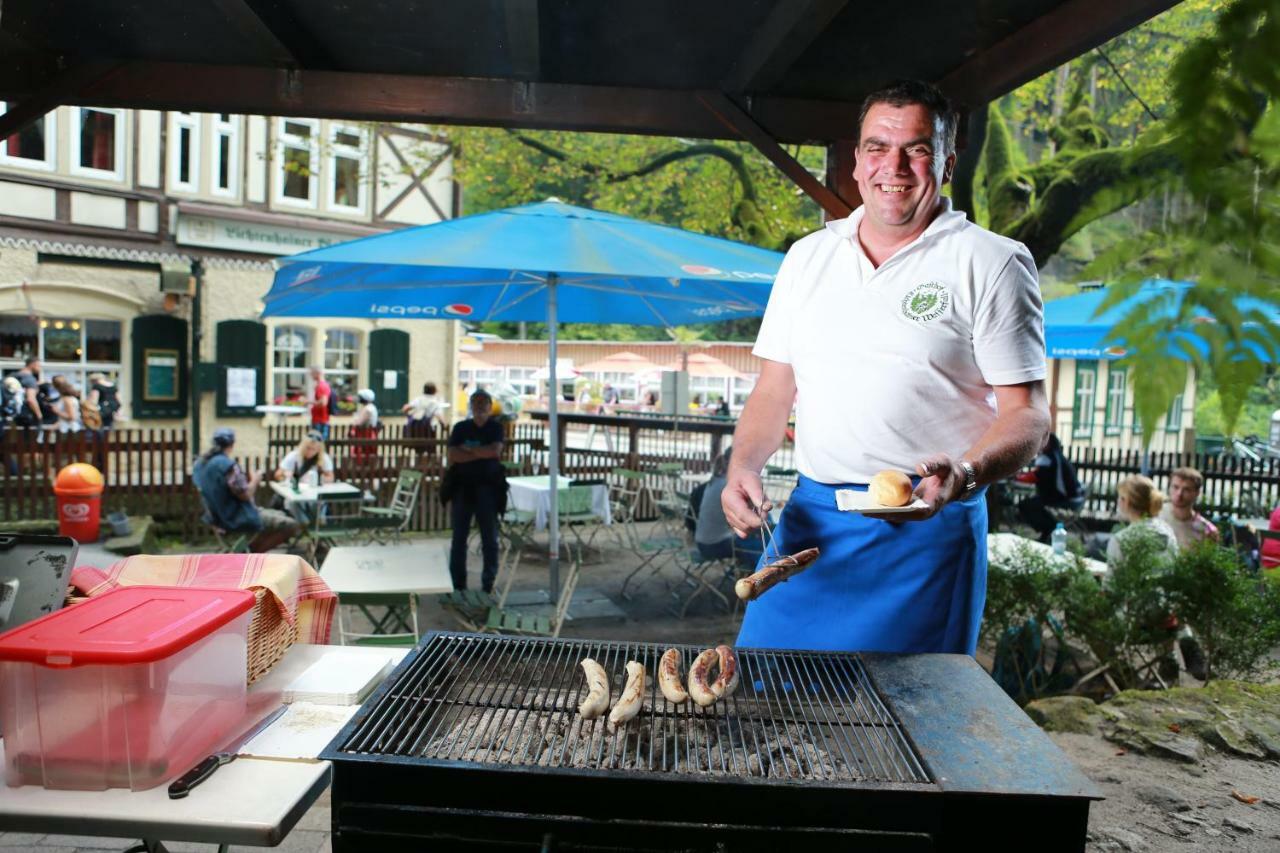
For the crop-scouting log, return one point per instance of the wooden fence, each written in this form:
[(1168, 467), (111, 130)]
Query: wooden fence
[(144, 470), (1231, 485)]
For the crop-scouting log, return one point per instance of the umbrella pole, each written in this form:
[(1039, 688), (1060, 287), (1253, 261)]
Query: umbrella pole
[(553, 420)]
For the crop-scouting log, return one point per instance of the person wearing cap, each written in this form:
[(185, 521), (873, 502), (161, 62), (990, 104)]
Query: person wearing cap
[(228, 497), (365, 424), (475, 451), (912, 341)]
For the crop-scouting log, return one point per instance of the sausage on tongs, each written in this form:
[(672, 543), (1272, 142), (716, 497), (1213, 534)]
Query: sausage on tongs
[(784, 568)]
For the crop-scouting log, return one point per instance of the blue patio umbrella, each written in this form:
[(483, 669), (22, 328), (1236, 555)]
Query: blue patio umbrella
[(1073, 328), (548, 261)]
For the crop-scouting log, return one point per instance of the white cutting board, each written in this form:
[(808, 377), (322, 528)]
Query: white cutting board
[(301, 732), (339, 679)]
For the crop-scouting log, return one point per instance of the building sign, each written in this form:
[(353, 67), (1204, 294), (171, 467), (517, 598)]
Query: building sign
[(240, 236)]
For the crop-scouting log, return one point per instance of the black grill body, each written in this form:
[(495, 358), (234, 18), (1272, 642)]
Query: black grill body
[(474, 743)]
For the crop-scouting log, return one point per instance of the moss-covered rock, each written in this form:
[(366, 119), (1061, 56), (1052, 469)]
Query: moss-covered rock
[(1065, 714), (1183, 722)]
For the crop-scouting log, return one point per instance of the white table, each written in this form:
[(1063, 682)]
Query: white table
[(387, 576), (309, 493), (251, 801), (279, 414), (533, 494), (1003, 546)]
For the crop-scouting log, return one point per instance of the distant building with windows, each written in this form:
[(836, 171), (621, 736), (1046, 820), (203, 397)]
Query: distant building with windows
[(102, 211), (1092, 405)]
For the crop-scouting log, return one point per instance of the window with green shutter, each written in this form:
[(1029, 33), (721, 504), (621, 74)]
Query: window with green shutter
[(241, 354), (1117, 386), (161, 369), (389, 368), (1085, 399)]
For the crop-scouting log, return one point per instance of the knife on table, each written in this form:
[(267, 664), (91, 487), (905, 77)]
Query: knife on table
[(182, 786)]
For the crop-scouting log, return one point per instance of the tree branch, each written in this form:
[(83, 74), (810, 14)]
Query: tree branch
[(1125, 83)]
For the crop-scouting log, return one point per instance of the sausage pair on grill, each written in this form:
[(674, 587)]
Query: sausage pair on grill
[(597, 698), (702, 688)]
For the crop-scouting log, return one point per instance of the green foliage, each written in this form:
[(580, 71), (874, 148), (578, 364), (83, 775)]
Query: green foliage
[(1255, 417), (1223, 131), (1236, 618)]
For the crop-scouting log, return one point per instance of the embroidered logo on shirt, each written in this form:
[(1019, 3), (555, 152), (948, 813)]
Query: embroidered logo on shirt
[(926, 302)]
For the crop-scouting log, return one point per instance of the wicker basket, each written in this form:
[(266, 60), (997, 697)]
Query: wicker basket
[(270, 634)]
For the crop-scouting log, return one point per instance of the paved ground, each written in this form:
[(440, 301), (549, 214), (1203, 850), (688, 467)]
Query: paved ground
[(648, 616)]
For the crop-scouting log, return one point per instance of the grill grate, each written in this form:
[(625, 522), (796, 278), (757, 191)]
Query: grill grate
[(513, 702)]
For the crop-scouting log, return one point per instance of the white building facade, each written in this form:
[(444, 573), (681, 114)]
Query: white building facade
[(102, 212)]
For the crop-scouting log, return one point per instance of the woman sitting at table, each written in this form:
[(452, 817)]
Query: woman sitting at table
[(1138, 502), (307, 464)]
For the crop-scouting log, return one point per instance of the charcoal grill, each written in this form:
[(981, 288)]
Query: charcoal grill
[(475, 743)]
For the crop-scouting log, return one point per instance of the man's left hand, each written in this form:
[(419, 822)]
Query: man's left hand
[(941, 482)]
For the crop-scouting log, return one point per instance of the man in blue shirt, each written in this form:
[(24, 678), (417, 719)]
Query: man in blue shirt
[(228, 497), (475, 448)]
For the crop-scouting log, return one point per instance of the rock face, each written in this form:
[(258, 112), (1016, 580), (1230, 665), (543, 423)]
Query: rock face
[(1183, 723), (1065, 714)]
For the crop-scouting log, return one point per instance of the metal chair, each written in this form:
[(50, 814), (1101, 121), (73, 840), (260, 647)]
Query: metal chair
[(393, 519), (503, 621)]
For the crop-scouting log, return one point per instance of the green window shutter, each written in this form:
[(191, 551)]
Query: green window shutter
[(389, 352), (161, 369), (1086, 396), (241, 344)]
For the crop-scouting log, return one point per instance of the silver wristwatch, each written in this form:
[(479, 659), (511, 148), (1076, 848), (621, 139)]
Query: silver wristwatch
[(970, 477)]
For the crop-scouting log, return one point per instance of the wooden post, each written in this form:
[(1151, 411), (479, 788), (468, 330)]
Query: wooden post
[(840, 163)]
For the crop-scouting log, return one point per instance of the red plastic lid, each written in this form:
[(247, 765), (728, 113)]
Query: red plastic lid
[(132, 624), (78, 480)]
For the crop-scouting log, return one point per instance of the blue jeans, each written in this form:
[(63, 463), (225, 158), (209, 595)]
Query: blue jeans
[(323, 429), (482, 503)]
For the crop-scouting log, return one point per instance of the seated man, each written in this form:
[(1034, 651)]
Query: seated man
[(1180, 513), (712, 534), (228, 497), (1056, 486)]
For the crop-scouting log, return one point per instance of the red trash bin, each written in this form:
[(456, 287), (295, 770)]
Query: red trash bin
[(78, 488)]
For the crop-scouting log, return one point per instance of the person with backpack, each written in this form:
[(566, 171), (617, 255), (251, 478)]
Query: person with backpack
[(1056, 486), (29, 378), (67, 407), (103, 396), (322, 402), (12, 402)]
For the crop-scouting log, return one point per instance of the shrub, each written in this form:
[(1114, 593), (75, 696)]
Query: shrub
[(1235, 615)]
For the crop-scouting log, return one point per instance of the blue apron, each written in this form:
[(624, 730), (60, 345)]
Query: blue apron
[(914, 586)]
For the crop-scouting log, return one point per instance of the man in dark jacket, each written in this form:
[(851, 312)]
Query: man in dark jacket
[(475, 451), (1056, 486)]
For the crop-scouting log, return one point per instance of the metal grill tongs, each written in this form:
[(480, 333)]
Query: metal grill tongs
[(766, 535)]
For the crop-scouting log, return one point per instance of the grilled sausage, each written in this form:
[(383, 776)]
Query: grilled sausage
[(632, 695), (700, 678), (784, 568), (597, 699), (727, 681), (669, 677)]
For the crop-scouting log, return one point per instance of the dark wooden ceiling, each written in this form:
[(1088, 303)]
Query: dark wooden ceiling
[(796, 70)]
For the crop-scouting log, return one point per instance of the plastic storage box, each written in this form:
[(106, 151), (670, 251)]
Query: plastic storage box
[(126, 690)]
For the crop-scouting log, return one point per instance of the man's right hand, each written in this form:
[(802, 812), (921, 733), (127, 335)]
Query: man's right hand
[(743, 500)]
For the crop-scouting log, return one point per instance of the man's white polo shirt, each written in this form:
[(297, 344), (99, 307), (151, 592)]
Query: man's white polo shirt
[(896, 363)]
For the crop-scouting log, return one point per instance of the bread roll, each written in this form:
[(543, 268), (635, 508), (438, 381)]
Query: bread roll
[(890, 488)]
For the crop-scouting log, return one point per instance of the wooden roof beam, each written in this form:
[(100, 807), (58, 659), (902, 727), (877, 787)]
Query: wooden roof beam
[(1058, 36), (61, 89), (733, 117), (447, 100), (786, 34)]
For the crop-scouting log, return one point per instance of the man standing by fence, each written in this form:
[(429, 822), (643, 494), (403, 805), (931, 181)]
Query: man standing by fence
[(1189, 526), (320, 394)]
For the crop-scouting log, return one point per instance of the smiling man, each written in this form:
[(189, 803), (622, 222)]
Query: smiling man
[(910, 339)]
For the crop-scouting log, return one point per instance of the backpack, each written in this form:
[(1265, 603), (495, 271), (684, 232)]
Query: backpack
[(108, 403), (90, 414), (10, 404), (333, 402), (46, 396)]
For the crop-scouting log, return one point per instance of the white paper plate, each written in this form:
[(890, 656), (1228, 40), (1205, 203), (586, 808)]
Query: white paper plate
[(849, 500)]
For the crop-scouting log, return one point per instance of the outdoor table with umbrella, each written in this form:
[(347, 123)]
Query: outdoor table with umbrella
[(546, 261)]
